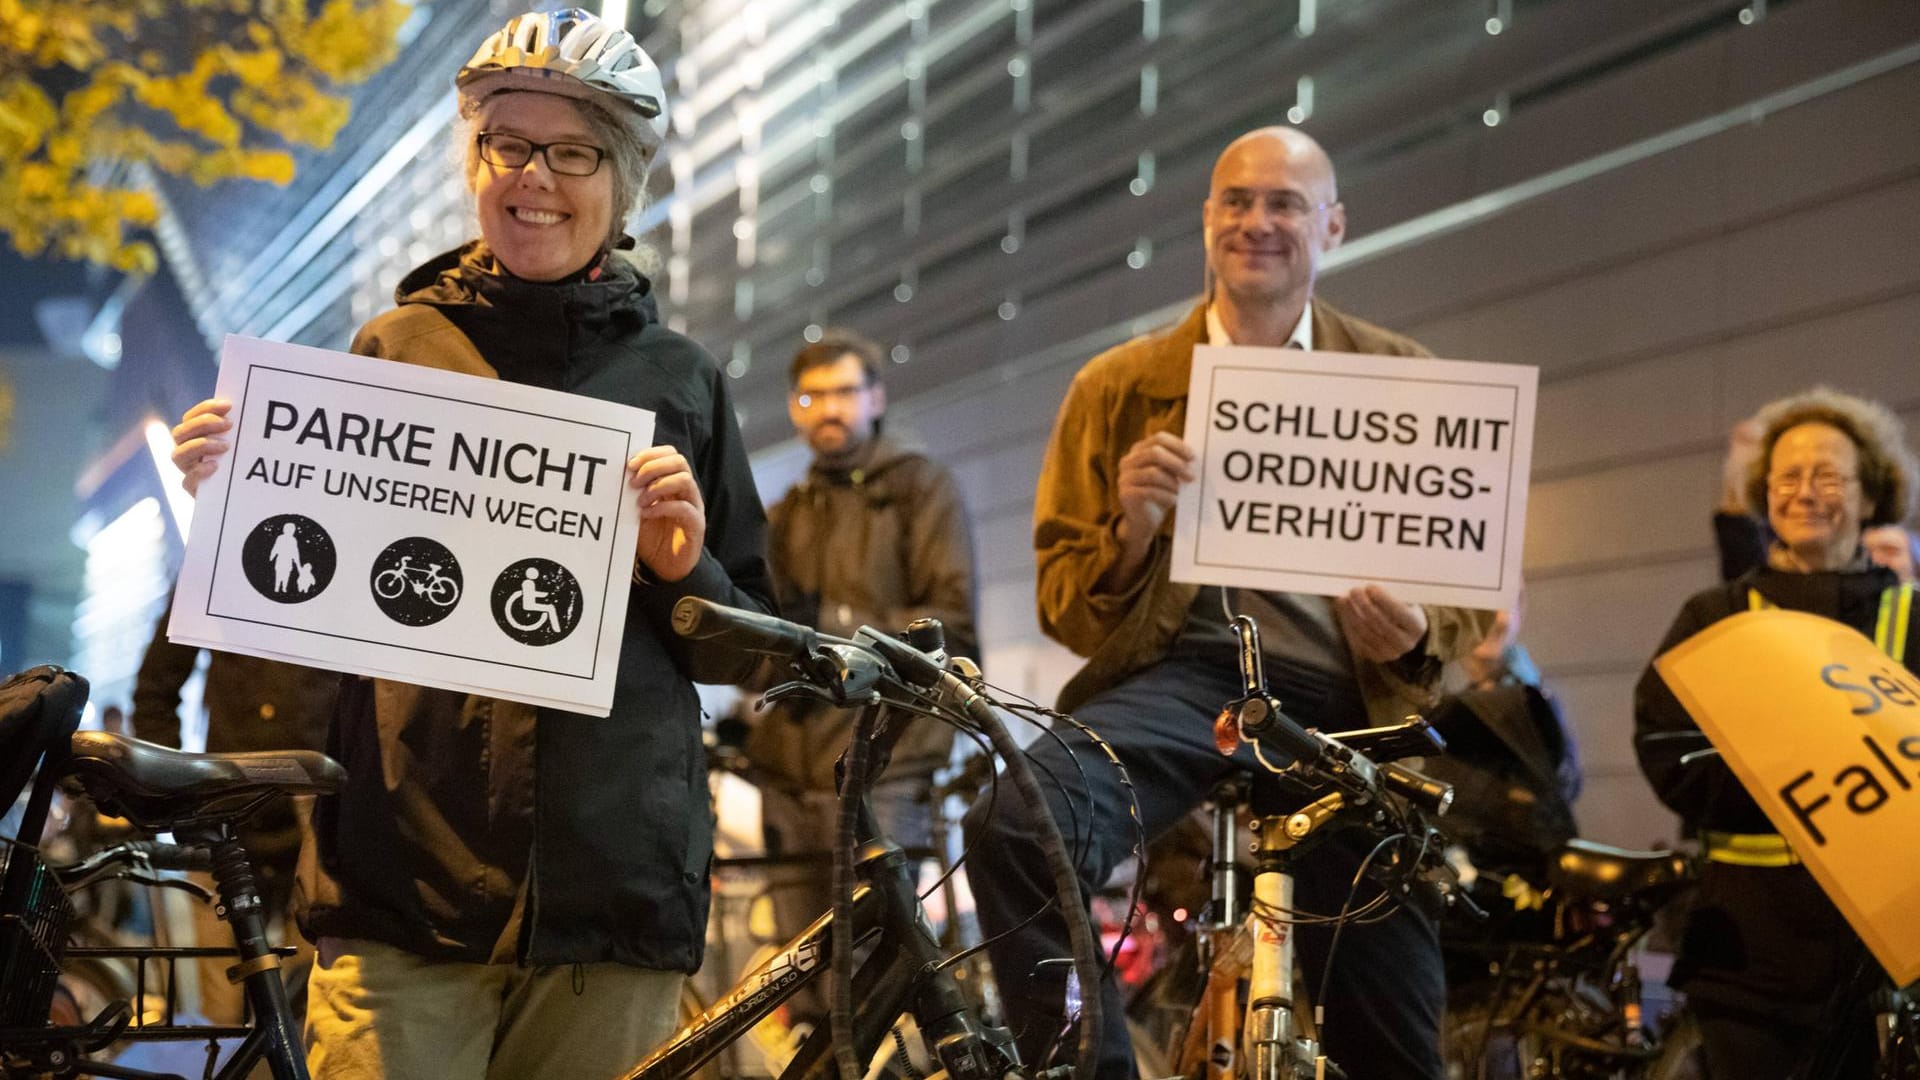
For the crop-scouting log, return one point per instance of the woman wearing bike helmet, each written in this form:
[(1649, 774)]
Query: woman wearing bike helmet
[(505, 890), (1770, 966)]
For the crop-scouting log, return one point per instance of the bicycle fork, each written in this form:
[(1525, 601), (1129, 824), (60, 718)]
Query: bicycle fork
[(1278, 1047)]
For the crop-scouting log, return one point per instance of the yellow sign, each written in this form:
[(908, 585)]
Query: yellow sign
[(1824, 731)]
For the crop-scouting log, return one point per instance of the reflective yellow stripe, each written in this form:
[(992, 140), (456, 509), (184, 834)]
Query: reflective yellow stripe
[(1899, 650), (1889, 629), (1749, 849)]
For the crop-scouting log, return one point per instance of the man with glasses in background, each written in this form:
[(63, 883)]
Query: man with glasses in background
[(874, 534)]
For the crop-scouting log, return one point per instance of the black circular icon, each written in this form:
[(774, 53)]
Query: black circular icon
[(288, 558), (536, 601), (416, 581)]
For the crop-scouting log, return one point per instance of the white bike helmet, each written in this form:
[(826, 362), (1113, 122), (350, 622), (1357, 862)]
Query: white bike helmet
[(575, 54)]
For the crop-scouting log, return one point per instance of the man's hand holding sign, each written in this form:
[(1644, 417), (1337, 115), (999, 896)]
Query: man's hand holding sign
[(1153, 473)]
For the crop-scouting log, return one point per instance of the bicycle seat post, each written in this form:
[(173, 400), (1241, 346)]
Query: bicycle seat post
[(258, 970)]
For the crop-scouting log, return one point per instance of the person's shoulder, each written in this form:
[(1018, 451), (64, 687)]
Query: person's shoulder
[(1139, 358), (1366, 337), (391, 332), (674, 354), (1715, 602), (915, 467)]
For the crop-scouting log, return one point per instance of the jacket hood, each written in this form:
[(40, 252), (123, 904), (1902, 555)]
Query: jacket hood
[(469, 276), (877, 456)]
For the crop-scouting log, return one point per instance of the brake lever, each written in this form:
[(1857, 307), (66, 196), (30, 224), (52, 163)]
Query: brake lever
[(795, 688), (1255, 707), (198, 892)]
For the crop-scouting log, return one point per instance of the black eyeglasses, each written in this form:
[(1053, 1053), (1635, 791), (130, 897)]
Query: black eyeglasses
[(564, 158)]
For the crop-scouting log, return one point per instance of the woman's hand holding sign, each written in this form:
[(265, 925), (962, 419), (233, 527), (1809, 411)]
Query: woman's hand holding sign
[(673, 516), (197, 442)]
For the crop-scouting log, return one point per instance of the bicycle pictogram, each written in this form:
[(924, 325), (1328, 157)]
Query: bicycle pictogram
[(430, 583), (416, 581)]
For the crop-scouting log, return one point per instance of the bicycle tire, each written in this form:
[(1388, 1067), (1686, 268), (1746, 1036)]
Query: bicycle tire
[(380, 580), (441, 586)]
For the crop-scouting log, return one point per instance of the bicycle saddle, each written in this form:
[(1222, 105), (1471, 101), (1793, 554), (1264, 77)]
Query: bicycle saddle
[(160, 789), (1593, 871)]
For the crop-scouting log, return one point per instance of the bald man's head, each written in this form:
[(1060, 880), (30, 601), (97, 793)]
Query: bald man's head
[(1272, 213), (1298, 148)]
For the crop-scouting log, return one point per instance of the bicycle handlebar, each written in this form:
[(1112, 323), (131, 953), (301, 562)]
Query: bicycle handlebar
[(1257, 715), (748, 631), (850, 668)]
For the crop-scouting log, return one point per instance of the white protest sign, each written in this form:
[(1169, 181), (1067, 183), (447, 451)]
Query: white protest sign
[(1320, 471), (409, 523)]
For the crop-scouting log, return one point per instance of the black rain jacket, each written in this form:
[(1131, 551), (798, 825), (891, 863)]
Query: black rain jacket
[(1765, 940), (483, 830)]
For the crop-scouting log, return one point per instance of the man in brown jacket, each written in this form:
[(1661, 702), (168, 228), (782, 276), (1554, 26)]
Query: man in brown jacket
[(874, 534), (1160, 656)]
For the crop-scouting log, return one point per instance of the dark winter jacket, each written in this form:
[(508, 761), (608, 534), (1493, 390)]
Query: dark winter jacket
[(880, 541), (1763, 939), (485, 830)]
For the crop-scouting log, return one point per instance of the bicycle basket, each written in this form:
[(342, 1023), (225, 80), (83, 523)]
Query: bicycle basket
[(32, 942)]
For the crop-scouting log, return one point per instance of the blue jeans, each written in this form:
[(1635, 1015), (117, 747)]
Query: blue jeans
[(1387, 990)]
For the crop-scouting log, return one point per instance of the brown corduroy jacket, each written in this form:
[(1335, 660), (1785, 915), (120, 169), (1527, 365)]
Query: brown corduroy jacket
[(1118, 398)]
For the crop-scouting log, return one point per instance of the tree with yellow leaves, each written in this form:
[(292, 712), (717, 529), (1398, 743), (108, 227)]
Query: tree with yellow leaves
[(206, 89)]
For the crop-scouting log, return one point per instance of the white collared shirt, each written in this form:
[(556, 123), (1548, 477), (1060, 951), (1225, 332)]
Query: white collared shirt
[(1301, 338)]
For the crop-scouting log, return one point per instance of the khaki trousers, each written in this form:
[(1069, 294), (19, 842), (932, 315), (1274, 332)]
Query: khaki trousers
[(376, 1012)]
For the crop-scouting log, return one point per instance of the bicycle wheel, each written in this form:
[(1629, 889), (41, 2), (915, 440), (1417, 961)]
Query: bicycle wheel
[(444, 591), (388, 584)]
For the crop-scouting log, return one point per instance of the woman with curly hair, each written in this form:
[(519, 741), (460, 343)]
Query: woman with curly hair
[(1764, 950)]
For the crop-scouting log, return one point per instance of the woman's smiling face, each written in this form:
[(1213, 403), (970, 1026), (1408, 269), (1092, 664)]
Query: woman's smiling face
[(541, 225), (1814, 502)]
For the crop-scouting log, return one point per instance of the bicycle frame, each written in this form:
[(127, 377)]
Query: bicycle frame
[(272, 1035), (902, 973), (1277, 1034)]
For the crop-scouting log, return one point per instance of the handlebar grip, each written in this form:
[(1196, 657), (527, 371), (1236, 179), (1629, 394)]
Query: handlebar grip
[(1262, 719), (1417, 788), (172, 856), (751, 631)]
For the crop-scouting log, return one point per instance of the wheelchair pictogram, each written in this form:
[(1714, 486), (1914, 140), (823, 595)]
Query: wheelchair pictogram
[(536, 601)]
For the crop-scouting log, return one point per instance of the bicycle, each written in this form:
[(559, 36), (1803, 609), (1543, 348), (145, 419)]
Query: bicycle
[(1557, 989), (1895, 1010), (1347, 778), (745, 886), (198, 798), (438, 588), (904, 971)]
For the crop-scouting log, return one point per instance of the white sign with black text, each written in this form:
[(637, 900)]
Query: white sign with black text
[(1320, 471), (408, 523)]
